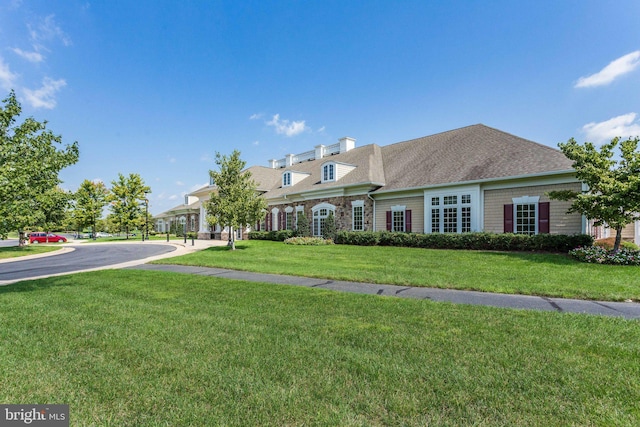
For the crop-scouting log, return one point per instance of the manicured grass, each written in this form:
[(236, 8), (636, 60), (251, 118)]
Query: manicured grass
[(504, 272), (16, 251), (149, 348)]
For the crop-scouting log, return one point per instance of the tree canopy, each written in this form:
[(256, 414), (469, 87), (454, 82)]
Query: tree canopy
[(127, 195), (235, 201), (613, 193), (30, 163), (91, 198)]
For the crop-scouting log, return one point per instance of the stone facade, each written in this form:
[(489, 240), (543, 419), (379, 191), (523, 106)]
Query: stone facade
[(343, 210)]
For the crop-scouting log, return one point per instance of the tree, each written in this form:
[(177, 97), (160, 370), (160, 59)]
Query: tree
[(329, 229), (613, 194), (303, 228), (29, 167), (91, 199), (55, 205), (127, 195), (235, 201)]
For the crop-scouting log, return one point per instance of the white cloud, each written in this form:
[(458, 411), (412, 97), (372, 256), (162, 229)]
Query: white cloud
[(44, 97), (179, 183), (322, 129), (624, 126), (47, 30), (206, 158), (615, 69), (29, 56), (284, 127), (256, 116), (171, 159), (172, 197), (256, 143), (7, 78)]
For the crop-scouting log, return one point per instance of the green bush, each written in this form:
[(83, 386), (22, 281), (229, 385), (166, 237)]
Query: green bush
[(276, 236), (472, 241), (308, 241)]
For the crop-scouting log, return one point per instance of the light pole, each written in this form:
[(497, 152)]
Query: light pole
[(146, 217)]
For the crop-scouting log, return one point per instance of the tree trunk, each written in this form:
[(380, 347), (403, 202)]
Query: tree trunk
[(616, 245), (21, 238)]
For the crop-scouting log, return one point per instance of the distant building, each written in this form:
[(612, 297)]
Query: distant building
[(186, 214)]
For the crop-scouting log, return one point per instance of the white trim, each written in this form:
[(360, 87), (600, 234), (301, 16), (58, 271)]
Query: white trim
[(397, 208), (499, 182), (288, 209), (274, 219), (477, 206), (526, 200), (323, 206), (356, 204), (322, 170), (300, 208)]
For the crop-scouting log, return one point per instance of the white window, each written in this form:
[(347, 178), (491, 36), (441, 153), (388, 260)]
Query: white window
[(357, 215), (192, 224), (320, 213), (525, 215), (274, 219), (451, 213), (328, 172), (286, 179), (398, 218)]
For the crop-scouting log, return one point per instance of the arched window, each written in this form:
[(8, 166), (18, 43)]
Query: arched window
[(320, 214)]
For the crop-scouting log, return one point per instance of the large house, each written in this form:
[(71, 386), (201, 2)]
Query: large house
[(474, 178)]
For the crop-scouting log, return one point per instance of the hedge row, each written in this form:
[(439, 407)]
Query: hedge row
[(474, 241), (277, 236)]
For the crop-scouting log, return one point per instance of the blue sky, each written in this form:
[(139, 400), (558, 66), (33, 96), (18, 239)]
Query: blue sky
[(158, 87)]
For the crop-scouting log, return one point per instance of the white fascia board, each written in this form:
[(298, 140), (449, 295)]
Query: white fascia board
[(569, 174)]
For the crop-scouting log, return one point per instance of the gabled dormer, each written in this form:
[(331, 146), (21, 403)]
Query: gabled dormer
[(290, 177), (333, 171)]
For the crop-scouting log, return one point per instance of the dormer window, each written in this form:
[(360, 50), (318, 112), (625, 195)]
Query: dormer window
[(328, 172), (286, 179)]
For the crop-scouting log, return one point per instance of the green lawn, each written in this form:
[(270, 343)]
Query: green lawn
[(504, 272), (15, 251), (150, 348)]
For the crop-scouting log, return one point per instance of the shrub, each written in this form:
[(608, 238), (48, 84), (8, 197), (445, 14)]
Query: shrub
[(600, 255), (308, 241), (276, 236), (329, 229), (609, 242), (302, 227), (472, 241)]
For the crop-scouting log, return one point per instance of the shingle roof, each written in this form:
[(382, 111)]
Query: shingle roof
[(368, 171), (471, 153)]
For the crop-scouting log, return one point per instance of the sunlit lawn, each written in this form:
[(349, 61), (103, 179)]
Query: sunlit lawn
[(16, 251), (504, 272), (149, 348)]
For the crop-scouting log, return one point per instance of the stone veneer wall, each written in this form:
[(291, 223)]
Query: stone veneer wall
[(343, 213)]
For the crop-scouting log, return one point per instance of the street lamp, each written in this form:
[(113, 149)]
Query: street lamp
[(146, 216)]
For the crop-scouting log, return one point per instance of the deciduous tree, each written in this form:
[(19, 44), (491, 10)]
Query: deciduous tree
[(127, 195), (91, 199), (613, 194), (30, 163), (235, 201)]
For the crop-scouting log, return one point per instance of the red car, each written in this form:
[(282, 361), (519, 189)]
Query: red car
[(40, 237)]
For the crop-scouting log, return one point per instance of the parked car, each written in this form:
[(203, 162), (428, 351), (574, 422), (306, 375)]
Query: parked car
[(41, 237), (101, 234)]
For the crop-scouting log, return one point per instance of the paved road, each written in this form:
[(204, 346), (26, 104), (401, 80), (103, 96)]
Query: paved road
[(629, 310), (82, 257)]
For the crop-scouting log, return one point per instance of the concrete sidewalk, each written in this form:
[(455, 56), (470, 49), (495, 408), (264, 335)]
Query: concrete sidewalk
[(628, 310)]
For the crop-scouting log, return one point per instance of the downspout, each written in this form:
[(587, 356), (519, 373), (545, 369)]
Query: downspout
[(374, 210)]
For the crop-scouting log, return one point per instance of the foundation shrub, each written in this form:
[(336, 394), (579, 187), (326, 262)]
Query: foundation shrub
[(469, 241)]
